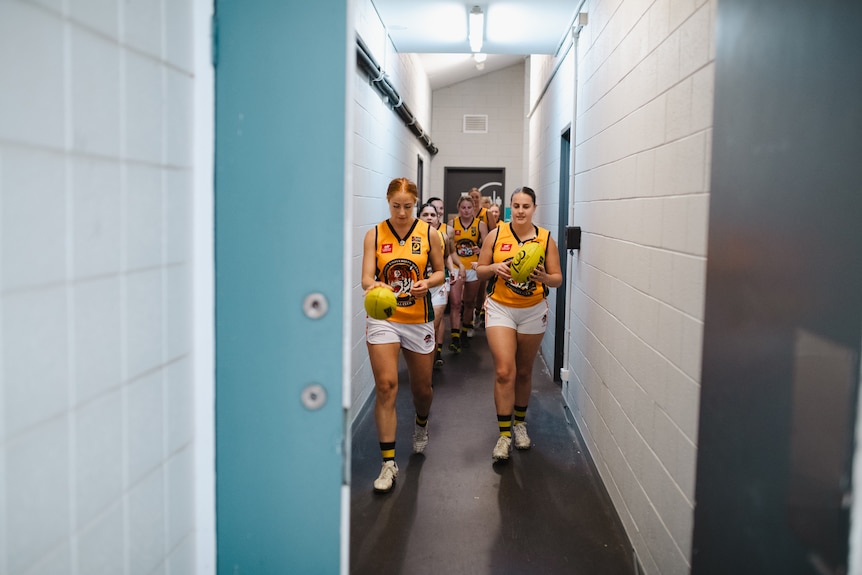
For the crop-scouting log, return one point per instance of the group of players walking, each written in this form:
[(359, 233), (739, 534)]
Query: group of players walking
[(463, 264)]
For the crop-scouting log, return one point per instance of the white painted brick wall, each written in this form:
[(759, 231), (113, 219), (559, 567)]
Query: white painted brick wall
[(498, 94), (643, 131), (383, 149), (97, 436)]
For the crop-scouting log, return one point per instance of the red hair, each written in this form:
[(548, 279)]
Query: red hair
[(402, 185)]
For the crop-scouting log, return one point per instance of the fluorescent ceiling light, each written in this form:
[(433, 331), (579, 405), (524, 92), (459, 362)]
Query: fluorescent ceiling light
[(476, 29)]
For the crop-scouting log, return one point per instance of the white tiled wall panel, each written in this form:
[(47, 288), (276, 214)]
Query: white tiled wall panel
[(97, 437), (98, 15), (31, 101), (98, 457), (97, 231)]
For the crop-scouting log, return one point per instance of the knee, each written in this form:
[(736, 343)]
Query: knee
[(386, 391), (505, 375), (524, 376)]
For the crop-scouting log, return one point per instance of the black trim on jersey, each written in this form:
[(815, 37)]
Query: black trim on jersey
[(402, 241), (467, 227), (519, 240)]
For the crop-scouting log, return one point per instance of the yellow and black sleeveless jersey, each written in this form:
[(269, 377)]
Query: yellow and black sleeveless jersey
[(512, 293), (429, 271), (466, 241), (400, 263), (482, 216)]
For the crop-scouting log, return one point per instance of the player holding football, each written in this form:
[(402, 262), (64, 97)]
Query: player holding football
[(403, 253), (516, 315)]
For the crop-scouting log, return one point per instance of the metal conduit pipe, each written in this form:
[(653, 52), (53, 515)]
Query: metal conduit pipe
[(381, 83)]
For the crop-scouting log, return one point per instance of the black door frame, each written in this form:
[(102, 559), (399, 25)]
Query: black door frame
[(563, 221)]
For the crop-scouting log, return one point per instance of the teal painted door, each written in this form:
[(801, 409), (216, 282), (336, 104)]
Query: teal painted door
[(280, 230)]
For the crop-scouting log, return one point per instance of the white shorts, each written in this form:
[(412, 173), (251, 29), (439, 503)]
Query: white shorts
[(471, 275), (416, 337), (439, 294), (526, 320)]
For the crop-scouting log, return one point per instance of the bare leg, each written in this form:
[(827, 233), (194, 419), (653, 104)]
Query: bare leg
[(419, 365), (384, 365), (471, 290), (456, 294), (503, 342), (528, 347), (439, 312)]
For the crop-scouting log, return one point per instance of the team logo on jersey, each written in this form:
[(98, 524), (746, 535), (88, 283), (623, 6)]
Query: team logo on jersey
[(400, 273), (386, 249), (506, 248), (466, 248)]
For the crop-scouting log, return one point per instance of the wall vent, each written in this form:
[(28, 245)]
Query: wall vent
[(475, 123)]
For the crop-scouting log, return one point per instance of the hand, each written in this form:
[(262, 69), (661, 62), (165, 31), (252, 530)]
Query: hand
[(419, 289), (502, 270), (376, 285), (539, 274)]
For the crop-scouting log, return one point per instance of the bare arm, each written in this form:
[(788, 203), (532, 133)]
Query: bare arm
[(437, 277), (492, 221), (483, 232), (369, 263), (456, 260)]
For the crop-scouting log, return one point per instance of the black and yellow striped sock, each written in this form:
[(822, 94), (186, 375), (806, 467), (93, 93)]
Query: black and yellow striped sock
[(520, 413), (387, 450), (504, 423), (421, 421), (439, 348), (456, 335)]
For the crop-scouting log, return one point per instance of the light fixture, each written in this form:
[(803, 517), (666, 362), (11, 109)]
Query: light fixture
[(480, 58), (476, 29)]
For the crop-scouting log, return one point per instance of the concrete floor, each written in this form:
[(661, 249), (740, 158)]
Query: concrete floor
[(454, 511)]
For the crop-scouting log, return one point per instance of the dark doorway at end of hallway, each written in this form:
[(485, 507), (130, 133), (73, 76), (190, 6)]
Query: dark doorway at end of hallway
[(458, 181)]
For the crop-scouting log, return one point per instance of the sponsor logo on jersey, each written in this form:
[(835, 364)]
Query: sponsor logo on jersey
[(386, 249), (506, 248)]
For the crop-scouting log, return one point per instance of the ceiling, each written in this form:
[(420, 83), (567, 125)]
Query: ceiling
[(437, 29)]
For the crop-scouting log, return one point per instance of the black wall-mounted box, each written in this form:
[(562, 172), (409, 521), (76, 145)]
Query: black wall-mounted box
[(573, 237)]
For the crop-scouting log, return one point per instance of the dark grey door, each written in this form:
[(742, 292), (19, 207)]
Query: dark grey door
[(783, 306), (490, 181)]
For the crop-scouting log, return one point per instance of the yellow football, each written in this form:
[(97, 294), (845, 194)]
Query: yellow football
[(525, 261), (380, 302)]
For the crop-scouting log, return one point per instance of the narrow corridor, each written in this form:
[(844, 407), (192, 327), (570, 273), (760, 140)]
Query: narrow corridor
[(454, 511)]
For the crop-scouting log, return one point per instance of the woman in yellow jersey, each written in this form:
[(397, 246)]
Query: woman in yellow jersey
[(440, 294), (516, 315), (482, 209), (404, 255), (494, 216), (467, 234)]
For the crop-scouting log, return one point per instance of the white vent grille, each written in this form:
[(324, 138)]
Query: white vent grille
[(475, 123)]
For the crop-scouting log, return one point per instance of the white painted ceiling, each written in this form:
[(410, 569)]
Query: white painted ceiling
[(437, 29)]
